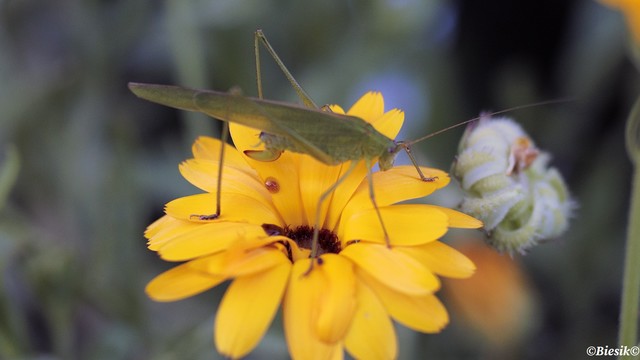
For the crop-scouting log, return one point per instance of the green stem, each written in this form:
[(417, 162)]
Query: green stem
[(628, 331)]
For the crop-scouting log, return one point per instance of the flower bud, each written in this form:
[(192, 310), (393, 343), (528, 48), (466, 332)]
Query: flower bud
[(508, 184)]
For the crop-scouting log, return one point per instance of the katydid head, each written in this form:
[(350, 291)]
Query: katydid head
[(386, 160)]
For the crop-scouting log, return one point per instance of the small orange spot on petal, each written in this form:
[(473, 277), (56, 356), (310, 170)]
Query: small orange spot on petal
[(272, 185)]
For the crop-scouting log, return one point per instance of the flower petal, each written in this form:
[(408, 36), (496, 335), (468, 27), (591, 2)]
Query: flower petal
[(299, 312), (180, 282), (160, 225), (283, 170), (442, 259), (242, 260), (248, 307), (337, 109), (458, 219), (372, 335), (344, 192), (239, 208), (398, 184), (315, 178), (207, 239), (289, 247), (204, 175), (389, 123), (392, 268), (166, 229), (208, 148), (411, 224), (369, 107), (245, 138), (337, 304), (423, 313)]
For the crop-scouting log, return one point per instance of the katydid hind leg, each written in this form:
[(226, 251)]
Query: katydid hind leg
[(316, 228), (256, 50), (261, 38)]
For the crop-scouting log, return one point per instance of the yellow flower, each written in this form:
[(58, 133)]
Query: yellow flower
[(261, 242)]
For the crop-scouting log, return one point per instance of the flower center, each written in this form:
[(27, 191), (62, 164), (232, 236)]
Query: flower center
[(328, 241)]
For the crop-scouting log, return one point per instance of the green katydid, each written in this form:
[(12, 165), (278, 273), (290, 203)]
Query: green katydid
[(330, 138)]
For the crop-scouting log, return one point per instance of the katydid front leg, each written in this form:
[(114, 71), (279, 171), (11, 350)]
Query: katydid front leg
[(223, 142)]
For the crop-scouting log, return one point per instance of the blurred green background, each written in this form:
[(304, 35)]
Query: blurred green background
[(94, 165)]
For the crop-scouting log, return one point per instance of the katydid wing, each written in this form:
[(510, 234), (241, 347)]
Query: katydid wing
[(330, 138)]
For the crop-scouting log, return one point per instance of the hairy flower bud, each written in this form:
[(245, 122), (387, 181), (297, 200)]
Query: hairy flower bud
[(509, 186)]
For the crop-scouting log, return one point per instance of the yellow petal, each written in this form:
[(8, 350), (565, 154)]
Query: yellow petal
[(166, 229), (160, 224), (369, 107), (208, 239), (390, 123), (372, 335), (423, 313), (245, 138), (243, 262), (180, 282), (283, 170), (240, 261), (410, 224), (404, 181), (299, 312), (337, 109), (289, 247), (344, 192), (204, 175), (458, 219), (208, 148), (235, 207), (247, 309), (441, 259), (315, 178), (392, 268), (337, 304)]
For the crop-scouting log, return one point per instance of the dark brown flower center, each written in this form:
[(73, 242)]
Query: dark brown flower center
[(328, 241)]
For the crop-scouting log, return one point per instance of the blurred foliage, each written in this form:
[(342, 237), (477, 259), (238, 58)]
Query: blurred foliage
[(97, 164)]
